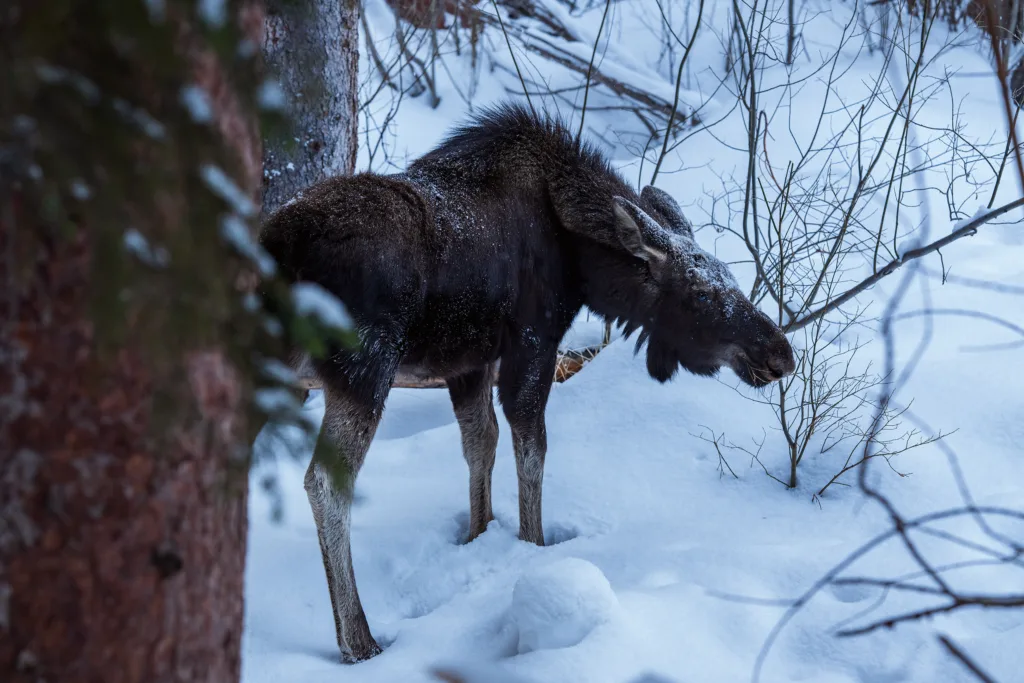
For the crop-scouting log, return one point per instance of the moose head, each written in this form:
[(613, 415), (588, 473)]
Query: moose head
[(697, 317)]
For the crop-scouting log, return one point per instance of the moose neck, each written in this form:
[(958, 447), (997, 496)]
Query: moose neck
[(617, 286)]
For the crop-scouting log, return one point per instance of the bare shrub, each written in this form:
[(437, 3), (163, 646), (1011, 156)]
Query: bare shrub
[(821, 206), (944, 586)]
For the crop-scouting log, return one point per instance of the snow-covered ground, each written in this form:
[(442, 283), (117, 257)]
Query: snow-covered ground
[(658, 562)]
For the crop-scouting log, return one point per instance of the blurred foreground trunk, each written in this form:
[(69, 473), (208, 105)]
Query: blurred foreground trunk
[(126, 157)]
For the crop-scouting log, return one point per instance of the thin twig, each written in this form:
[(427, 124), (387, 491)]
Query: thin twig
[(675, 99), (512, 54), (590, 68), (968, 663)]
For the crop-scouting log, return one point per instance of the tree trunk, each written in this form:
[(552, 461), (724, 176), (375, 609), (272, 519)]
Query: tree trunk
[(312, 48), (791, 31), (123, 411)]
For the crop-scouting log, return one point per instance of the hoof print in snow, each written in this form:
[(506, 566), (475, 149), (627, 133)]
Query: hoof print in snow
[(461, 534), (850, 593), (558, 604), (558, 533)]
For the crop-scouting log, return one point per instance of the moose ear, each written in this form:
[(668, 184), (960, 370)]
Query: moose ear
[(664, 204), (638, 233)]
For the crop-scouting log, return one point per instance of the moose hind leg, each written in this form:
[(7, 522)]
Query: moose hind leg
[(474, 409), (523, 387), (347, 431)]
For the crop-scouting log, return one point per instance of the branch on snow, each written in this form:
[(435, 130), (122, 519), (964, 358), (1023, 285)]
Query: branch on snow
[(562, 57), (542, 38), (956, 602), (546, 46), (968, 229)]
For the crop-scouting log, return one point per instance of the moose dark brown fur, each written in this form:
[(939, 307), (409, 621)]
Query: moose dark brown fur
[(485, 250)]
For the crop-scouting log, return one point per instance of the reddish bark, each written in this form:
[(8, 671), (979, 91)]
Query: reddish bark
[(232, 122), (123, 560), (122, 545), (433, 13)]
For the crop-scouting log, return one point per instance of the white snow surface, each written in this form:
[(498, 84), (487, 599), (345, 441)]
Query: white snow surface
[(659, 564), (557, 605)]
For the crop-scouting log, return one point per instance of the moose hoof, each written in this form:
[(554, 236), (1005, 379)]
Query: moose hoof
[(536, 539), (361, 654)]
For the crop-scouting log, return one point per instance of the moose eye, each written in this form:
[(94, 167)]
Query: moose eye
[(702, 296)]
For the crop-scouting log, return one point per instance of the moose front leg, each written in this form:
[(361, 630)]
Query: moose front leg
[(345, 437), (523, 388)]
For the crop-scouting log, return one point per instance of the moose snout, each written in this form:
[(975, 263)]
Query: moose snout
[(765, 362), (780, 360)]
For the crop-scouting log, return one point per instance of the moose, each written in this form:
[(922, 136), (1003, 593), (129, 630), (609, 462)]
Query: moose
[(483, 252)]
